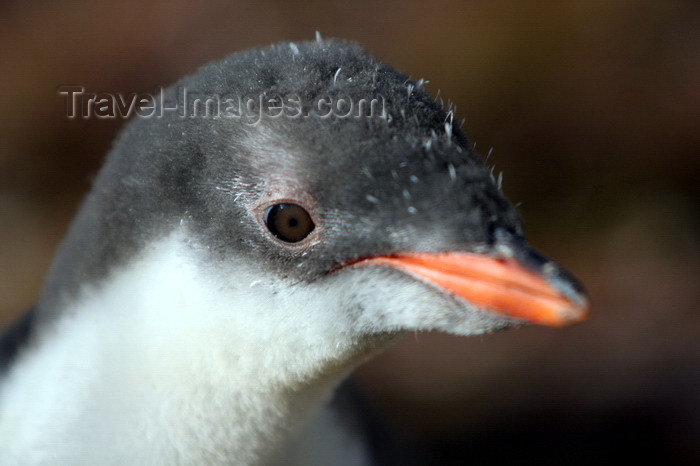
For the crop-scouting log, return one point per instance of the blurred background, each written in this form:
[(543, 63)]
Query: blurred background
[(591, 109)]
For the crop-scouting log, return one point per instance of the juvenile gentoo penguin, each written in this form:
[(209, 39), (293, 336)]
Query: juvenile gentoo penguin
[(229, 269)]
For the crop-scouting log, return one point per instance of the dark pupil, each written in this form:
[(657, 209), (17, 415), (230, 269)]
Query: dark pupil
[(289, 222)]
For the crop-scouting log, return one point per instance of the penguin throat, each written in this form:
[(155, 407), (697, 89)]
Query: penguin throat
[(208, 368)]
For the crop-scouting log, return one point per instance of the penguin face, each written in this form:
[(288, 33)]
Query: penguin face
[(427, 223), (390, 217)]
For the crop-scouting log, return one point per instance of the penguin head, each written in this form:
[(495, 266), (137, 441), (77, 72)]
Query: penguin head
[(384, 214)]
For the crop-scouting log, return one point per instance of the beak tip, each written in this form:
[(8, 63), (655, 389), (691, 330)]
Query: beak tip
[(576, 313)]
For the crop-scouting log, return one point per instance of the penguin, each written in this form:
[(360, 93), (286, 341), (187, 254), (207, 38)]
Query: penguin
[(228, 270)]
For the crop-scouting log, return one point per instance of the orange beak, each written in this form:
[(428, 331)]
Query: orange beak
[(503, 286)]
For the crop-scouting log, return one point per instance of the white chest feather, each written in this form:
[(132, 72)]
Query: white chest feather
[(161, 366)]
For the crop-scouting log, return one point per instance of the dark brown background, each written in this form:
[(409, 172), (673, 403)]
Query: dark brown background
[(593, 110)]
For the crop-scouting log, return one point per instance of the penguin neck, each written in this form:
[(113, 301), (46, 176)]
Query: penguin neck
[(206, 371)]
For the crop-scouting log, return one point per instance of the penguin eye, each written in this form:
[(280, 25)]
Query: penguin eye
[(289, 222)]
